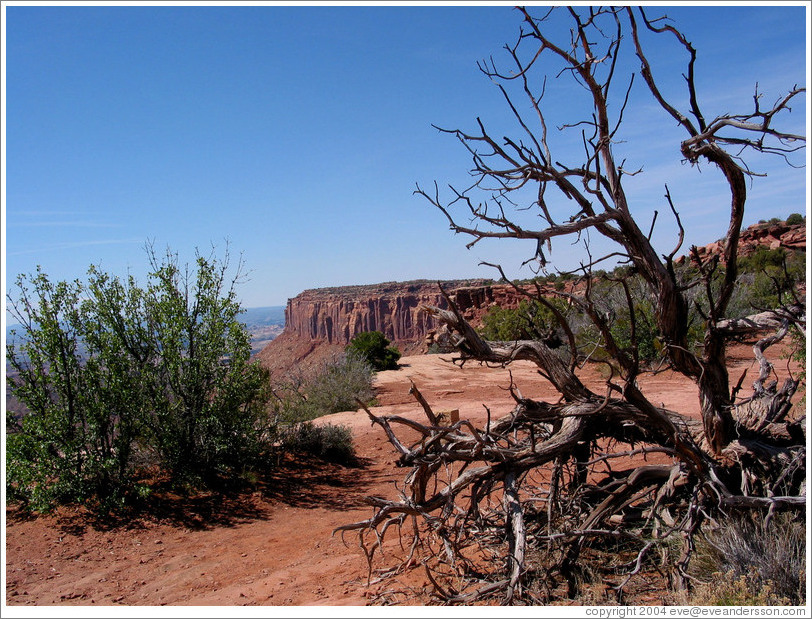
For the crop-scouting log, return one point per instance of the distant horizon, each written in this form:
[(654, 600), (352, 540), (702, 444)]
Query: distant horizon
[(426, 280), (296, 136)]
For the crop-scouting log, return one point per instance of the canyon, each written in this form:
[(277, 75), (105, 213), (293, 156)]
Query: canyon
[(271, 542), (321, 322)]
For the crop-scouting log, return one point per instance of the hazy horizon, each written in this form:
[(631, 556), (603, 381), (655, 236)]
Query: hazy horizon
[(297, 135)]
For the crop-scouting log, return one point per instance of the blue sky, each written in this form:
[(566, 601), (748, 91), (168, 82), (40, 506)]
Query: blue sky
[(297, 134)]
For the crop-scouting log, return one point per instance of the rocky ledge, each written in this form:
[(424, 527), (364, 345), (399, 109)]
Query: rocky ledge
[(322, 321)]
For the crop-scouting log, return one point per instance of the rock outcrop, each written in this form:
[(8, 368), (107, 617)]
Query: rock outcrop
[(336, 315), (771, 236), (321, 322)]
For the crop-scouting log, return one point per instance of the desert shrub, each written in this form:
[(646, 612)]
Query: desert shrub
[(335, 386), (206, 393), (730, 590), (767, 279), (795, 219), (645, 330), (762, 258), (375, 348), (768, 559), (108, 368), (341, 383), (797, 353), (530, 320), (329, 442), (633, 328), (83, 397)]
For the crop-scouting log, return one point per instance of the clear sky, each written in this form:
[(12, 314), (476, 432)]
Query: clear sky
[(297, 134)]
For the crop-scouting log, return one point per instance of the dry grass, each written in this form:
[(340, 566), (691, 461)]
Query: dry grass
[(748, 562)]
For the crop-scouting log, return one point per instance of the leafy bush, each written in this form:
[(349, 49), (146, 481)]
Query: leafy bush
[(530, 320), (329, 442), (797, 353), (795, 219), (767, 278), (84, 400), (374, 347), (645, 338), (108, 368), (206, 393), (334, 387)]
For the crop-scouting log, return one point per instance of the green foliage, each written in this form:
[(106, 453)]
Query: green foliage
[(797, 353), (335, 387), (329, 442), (795, 219), (206, 393), (76, 441), (374, 347), (108, 369), (761, 258), (645, 337), (530, 320), (767, 278)]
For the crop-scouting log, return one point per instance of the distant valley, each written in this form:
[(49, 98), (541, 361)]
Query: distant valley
[(264, 324)]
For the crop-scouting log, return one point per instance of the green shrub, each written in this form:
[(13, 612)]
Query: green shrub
[(646, 332), (335, 386), (329, 442), (797, 353), (795, 219), (374, 347), (107, 368), (531, 320), (767, 278), (84, 400)]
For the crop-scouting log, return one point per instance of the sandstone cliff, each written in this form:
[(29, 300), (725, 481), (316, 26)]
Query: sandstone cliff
[(336, 315), (321, 322), (771, 236)]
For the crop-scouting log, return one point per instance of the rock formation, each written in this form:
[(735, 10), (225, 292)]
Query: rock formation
[(771, 236), (336, 315), (320, 322)]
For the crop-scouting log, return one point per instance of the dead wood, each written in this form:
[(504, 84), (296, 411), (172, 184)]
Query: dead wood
[(480, 503)]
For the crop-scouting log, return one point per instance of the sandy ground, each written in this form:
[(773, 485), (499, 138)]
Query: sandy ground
[(272, 546)]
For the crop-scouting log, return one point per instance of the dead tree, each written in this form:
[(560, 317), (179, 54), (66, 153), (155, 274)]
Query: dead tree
[(541, 477)]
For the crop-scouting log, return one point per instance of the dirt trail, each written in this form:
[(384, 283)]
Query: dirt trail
[(272, 546)]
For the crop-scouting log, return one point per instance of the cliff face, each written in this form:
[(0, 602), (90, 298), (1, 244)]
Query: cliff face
[(321, 322), (336, 315)]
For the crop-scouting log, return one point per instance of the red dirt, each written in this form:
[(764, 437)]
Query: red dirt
[(272, 546)]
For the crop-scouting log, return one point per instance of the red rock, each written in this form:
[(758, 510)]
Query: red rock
[(321, 322)]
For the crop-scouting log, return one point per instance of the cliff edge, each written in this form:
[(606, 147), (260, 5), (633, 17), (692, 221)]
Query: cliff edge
[(321, 322)]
